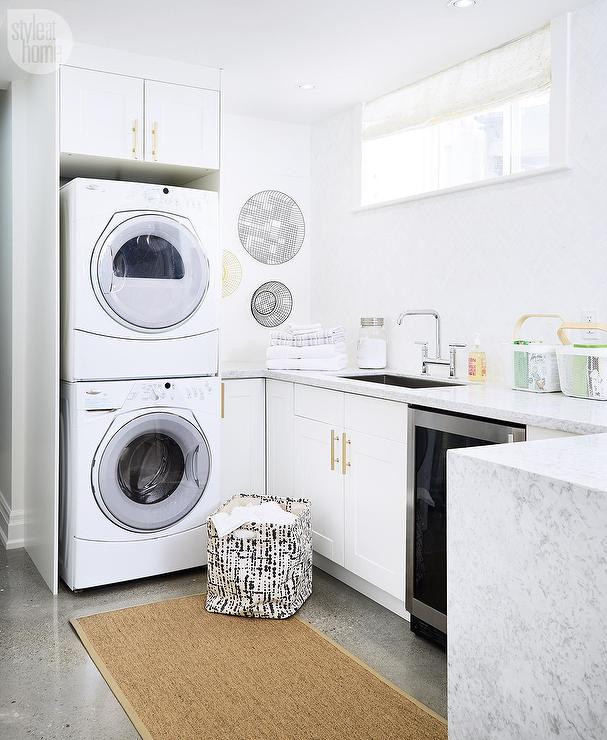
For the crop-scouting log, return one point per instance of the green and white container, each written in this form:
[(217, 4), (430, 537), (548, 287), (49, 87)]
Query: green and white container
[(583, 367), (534, 365)]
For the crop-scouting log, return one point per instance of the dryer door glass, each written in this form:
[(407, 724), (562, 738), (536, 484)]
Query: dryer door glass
[(152, 272), (152, 472)]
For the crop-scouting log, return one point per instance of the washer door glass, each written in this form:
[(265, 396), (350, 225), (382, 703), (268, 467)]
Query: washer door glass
[(152, 472), (152, 272)]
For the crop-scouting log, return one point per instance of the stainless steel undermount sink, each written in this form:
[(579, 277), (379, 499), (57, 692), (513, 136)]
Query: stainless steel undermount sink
[(402, 381)]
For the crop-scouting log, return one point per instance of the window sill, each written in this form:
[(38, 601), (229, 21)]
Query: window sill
[(468, 186)]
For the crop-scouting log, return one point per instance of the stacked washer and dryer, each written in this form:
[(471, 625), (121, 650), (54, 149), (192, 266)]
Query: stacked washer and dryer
[(140, 390)]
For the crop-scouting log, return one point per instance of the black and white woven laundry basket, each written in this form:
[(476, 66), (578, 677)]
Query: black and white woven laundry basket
[(261, 570)]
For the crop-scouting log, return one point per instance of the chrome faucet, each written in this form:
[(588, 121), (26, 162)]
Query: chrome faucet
[(425, 312), (437, 359)]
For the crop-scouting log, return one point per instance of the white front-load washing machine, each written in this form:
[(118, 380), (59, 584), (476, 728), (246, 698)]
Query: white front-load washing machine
[(139, 476), (140, 281)]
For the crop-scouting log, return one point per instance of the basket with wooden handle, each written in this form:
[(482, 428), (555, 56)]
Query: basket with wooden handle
[(582, 367), (534, 364)]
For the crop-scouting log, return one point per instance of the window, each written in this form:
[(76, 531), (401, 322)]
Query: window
[(483, 119)]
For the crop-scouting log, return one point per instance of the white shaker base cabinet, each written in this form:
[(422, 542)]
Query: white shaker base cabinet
[(181, 125), (318, 479), (280, 464), (350, 461), (375, 511), (101, 114), (243, 437)]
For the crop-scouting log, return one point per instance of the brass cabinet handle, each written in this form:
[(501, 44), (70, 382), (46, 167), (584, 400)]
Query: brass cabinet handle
[(334, 438), (155, 141), (222, 401), (134, 131), (344, 462)]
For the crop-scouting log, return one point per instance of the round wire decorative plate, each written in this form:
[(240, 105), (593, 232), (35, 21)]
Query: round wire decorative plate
[(231, 273), (271, 227), (271, 304)]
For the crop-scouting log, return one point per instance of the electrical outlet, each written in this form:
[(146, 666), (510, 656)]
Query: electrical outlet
[(589, 317)]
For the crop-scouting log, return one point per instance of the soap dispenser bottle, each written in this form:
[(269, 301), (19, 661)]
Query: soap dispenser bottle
[(477, 362)]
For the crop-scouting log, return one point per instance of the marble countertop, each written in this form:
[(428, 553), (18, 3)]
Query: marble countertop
[(579, 461), (549, 410)]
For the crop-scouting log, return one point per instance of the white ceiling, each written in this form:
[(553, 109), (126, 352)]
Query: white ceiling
[(352, 50)]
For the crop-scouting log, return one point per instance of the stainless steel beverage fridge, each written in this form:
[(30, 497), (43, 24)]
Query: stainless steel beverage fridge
[(431, 435)]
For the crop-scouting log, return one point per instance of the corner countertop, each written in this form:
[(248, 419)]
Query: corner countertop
[(549, 410), (579, 461)]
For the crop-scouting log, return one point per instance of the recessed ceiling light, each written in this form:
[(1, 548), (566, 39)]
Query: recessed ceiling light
[(307, 86), (462, 3)]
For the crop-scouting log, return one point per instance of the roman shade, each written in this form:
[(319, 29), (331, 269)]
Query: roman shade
[(497, 76)]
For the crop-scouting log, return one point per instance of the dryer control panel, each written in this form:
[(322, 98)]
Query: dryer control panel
[(167, 198)]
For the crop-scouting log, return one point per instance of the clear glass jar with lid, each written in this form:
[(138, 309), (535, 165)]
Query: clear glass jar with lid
[(372, 347)]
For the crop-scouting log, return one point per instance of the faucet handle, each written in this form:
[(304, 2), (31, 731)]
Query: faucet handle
[(423, 345), (455, 345)]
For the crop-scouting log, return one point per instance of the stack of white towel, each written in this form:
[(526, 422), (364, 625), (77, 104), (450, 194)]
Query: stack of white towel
[(307, 347)]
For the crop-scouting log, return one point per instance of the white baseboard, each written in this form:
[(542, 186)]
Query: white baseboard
[(11, 525), (364, 587)]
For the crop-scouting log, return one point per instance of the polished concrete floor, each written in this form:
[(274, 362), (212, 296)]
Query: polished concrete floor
[(50, 689)]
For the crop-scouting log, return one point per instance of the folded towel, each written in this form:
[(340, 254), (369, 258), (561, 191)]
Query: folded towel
[(339, 362), (288, 352), (296, 329), (268, 512), (336, 335)]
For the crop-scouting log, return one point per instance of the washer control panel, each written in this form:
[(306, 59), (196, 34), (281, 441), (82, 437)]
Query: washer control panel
[(163, 392), (111, 396)]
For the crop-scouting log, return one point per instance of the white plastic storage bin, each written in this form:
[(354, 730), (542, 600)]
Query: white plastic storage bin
[(583, 367), (534, 365), (261, 570)]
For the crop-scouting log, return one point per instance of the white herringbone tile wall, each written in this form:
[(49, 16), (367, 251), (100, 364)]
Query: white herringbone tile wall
[(482, 256)]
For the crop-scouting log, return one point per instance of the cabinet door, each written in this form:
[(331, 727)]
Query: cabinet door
[(323, 486), (101, 114), (279, 437), (375, 494), (182, 125), (243, 438)]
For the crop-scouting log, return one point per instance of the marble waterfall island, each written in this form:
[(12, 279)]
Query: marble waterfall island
[(527, 590)]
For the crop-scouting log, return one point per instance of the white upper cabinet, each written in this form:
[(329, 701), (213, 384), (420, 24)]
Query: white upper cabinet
[(101, 114), (111, 115), (181, 125)]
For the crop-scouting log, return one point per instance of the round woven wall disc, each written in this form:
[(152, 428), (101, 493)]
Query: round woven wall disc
[(271, 227), (231, 273), (271, 304)]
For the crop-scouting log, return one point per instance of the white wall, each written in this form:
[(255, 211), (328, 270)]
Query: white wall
[(480, 257), (6, 313), (257, 155), (13, 316)]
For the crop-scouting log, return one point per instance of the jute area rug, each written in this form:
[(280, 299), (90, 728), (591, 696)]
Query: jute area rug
[(180, 673)]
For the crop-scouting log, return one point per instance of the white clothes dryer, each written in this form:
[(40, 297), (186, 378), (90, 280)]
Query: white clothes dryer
[(140, 281), (139, 476)]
